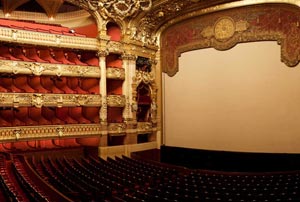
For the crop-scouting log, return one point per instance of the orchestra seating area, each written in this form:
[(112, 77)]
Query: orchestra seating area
[(69, 175)]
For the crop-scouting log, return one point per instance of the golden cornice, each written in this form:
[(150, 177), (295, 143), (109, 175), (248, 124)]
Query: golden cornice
[(45, 39), (8, 134), (115, 73), (35, 68), (48, 100), (116, 100)]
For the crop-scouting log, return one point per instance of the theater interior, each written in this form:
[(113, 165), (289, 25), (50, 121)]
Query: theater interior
[(149, 100)]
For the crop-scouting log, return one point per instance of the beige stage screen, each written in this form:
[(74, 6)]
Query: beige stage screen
[(242, 99)]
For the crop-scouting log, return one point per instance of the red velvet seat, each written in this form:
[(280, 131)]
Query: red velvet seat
[(63, 114), (5, 53), (90, 85), (61, 83), (76, 113), (7, 83), (114, 63), (91, 113), (35, 83), (49, 114), (36, 115), (15, 120), (2, 89), (6, 117), (73, 83), (74, 58), (45, 54), (21, 82), (31, 53), (90, 59), (59, 55), (48, 83), (18, 53), (22, 114)]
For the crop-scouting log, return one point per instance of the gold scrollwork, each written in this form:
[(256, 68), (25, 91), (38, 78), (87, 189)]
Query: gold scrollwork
[(37, 100)]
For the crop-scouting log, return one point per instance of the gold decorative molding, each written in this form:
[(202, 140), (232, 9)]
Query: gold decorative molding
[(117, 9), (116, 100), (115, 73), (47, 131), (141, 76), (47, 39), (115, 47), (145, 127), (116, 128), (48, 100), (224, 28), (35, 68)]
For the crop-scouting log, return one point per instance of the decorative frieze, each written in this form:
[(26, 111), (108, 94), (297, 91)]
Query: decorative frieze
[(48, 100), (116, 128), (47, 39), (35, 68), (116, 100), (47, 131), (145, 127), (115, 73)]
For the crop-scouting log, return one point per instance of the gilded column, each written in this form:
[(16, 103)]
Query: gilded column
[(129, 66), (103, 110)]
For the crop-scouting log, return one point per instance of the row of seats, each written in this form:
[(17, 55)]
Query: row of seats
[(29, 116), (38, 27), (48, 84), (125, 179), (34, 193), (48, 55), (11, 191)]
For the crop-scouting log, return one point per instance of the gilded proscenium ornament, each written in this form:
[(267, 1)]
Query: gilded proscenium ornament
[(116, 100), (48, 100), (49, 131), (37, 69), (267, 22), (225, 28)]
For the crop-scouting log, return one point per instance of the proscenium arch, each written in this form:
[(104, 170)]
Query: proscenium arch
[(263, 22)]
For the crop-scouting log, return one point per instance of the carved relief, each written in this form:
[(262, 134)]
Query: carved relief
[(116, 100), (37, 100), (116, 128), (144, 127), (38, 38), (224, 28), (46, 131), (117, 8), (48, 100), (141, 76), (115, 73), (35, 68)]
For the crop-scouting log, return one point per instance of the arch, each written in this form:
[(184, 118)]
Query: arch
[(114, 30), (223, 30)]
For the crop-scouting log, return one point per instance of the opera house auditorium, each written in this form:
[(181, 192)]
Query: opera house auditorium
[(149, 101)]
